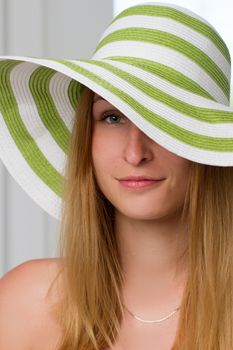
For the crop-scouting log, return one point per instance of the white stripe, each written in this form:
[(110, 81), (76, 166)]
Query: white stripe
[(165, 140), (186, 67), (19, 78), (58, 88), (168, 113), (176, 28), (175, 146), (167, 87), (168, 57), (25, 176)]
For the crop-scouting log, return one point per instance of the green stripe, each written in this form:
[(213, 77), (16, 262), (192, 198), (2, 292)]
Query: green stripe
[(165, 72), (199, 113), (74, 91), (188, 137), (23, 140), (174, 42), (179, 16), (39, 87)]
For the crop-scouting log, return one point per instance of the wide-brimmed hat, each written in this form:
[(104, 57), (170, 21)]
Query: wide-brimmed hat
[(163, 66)]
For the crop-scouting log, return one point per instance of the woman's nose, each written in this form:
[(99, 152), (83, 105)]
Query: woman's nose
[(138, 146)]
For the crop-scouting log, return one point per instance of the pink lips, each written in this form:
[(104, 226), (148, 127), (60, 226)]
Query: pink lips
[(138, 182)]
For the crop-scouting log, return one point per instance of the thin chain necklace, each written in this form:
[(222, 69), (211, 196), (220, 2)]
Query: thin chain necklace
[(155, 321)]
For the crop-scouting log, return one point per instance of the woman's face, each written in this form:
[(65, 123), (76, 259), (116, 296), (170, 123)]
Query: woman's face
[(120, 149)]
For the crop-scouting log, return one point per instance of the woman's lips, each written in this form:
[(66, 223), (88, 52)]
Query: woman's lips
[(139, 184)]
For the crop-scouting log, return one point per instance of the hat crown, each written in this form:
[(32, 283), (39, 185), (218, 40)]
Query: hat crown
[(166, 37)]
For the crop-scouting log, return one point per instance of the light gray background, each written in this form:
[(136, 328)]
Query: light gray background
[(52, 28), (61, 28)]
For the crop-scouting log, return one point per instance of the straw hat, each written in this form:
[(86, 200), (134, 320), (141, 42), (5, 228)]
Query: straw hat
[(163, 66)]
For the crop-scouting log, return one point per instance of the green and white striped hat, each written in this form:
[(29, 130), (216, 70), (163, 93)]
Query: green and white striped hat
[(163, 66)]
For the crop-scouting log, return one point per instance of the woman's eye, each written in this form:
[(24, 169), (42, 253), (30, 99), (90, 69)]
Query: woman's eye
[(111, 116)]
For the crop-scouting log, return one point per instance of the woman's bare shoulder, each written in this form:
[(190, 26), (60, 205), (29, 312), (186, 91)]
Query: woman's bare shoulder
[(25, 317), (29, 276)]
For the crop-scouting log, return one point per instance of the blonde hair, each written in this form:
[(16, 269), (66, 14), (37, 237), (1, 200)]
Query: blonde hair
[(90, 312)]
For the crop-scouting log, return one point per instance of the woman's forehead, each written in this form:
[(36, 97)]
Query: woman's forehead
[(98, 97)]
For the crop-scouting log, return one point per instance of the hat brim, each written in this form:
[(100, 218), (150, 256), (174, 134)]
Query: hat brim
[(33, 145)]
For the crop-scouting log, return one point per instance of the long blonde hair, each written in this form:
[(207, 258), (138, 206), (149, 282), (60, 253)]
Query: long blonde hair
[(91, 311)]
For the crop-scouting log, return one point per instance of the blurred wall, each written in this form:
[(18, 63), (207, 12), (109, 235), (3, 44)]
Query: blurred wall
[(52, 28)]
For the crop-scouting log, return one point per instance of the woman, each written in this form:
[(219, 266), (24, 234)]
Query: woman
[(145, 263)]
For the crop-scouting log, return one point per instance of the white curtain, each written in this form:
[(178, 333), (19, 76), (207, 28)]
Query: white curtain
[(52, 28)]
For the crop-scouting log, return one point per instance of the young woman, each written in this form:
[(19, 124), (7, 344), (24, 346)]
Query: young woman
[(146, 258)]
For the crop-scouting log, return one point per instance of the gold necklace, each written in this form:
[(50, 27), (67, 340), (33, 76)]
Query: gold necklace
[(155, 321)]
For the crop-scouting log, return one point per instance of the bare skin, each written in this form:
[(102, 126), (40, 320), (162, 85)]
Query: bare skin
[(147, 223), (149, 234), (26, 322)]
